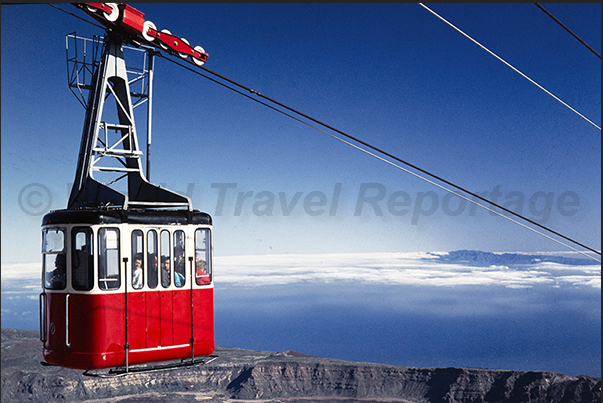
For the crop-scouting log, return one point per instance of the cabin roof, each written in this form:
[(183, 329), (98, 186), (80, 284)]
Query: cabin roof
[(119, 216)]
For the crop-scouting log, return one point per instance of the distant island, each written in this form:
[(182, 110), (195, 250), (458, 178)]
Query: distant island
[(285, 376), (491, 258)]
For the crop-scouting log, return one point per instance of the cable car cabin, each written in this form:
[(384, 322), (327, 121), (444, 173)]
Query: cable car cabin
[(126, 287)]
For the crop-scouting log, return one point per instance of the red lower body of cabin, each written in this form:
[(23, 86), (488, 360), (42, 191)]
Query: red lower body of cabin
[(84, 331)]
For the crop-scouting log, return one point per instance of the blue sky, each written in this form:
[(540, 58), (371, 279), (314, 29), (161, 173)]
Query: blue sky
[(391, 74), (395, 76)]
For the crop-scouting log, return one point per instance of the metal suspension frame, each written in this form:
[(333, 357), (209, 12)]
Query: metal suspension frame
[(112, 147)]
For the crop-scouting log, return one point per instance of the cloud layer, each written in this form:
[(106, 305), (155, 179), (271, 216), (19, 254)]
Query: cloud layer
[(439, 269), (417, 269), (462, 308)]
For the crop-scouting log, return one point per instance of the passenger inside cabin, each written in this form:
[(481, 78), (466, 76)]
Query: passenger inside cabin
[(165, 271), (137, 271), (179, 266), (57, 276), (201, 272), (153, 275)]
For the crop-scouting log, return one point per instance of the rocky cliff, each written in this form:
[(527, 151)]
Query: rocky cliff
[(280, 377)]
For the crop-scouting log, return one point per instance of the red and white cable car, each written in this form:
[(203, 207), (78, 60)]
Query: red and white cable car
[(127, 277), (124, 288)]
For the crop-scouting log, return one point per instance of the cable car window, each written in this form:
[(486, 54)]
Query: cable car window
[(53, 240), (179, 269), (82, 276), (166, 269), (137, 260), (202, 257), (55, 259), (152, 272), (109, 277)]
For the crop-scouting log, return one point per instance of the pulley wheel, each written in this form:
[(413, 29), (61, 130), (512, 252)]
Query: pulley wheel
[(197, 61), (183, 55), (114, 15), (163, 45), (145, 30)]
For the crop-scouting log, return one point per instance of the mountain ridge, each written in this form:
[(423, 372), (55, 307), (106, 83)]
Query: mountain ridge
[(286, 376)]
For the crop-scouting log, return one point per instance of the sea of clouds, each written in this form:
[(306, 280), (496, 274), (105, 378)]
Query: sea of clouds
[(518, 311), (419, 269)]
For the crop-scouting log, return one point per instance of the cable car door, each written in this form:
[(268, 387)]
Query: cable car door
[(136, 297), (153, 307)]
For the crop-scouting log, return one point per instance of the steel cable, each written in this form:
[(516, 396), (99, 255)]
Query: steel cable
[(389, 155)]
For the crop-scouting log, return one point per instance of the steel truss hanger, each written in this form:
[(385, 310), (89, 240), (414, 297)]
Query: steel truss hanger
[(109, 145)]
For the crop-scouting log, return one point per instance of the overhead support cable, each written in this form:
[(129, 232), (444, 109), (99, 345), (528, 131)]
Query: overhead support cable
[(474, 195), (568, 30), (382, 152), (77, 16), (510, 66)]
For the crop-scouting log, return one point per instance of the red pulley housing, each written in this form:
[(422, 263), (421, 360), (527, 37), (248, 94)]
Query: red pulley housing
[(132, 19)]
